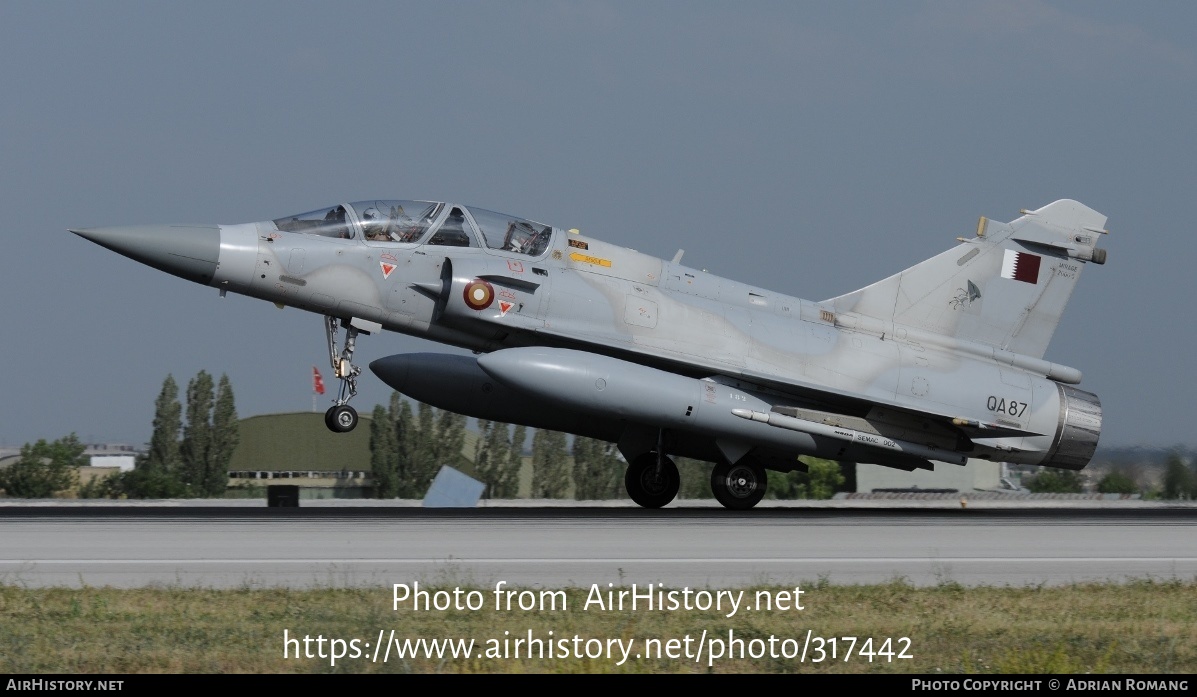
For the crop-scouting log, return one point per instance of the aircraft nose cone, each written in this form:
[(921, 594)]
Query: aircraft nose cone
[(187, 251)]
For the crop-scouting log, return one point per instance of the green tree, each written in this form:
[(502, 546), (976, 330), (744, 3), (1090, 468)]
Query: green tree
[(696, 478), (384, 454), (821, 480), (492, 460), (550, 469), (406, 445), (449, 441), (1178, 478), (101, 487), (424, 451), (1056, 481), (196, 447), (168, 421), (226, 436), (513, 466), (824, 478), (1117, 482), (156, 475), (422, 442), (44, 469), (484, 452), (597, 470)]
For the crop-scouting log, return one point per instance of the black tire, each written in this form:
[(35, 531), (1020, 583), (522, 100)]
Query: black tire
[(740, 486), (649, 488), (342, 418), (328, 419)]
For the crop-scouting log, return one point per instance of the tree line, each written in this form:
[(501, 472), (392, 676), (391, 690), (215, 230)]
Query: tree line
[(1178, 481), (44, 468), (410, 441), (188, 454), (189, 451), (192, 444), (408, 447)]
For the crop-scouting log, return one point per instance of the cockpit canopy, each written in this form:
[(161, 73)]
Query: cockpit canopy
[(426, 222)]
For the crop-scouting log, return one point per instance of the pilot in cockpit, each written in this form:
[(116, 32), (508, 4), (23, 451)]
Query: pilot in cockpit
[(452, 232), (522, 237), (336, 216), (374, 225)]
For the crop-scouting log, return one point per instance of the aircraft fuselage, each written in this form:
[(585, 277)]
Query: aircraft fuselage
[(620, 345)]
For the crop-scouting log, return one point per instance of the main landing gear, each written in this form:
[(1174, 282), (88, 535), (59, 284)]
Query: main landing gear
[(739, 486), (340, 417), (652, 480)]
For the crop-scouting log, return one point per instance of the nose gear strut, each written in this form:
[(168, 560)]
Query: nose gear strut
[(340, 417)]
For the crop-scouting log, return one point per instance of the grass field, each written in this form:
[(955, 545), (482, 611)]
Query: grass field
[(1141, 627)]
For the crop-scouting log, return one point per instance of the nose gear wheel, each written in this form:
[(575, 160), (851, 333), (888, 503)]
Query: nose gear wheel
[(341, 418)]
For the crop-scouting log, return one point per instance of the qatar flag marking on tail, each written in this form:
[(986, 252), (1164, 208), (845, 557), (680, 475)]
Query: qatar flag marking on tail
[(1021, 266)]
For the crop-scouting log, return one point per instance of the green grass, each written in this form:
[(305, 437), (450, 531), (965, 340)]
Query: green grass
[(1140, 627)]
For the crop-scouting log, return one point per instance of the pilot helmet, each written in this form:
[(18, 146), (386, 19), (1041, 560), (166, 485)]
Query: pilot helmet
[(372, 222)]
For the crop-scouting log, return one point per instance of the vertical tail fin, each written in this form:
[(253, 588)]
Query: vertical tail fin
[(1006, 288)]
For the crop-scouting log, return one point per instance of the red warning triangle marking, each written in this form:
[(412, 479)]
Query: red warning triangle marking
[(386, 269), (504, 306)]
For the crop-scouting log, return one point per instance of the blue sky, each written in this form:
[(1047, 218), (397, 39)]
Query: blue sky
[(810, 148)]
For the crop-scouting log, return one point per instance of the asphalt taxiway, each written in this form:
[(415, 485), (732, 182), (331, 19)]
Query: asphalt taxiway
[(255, 546)]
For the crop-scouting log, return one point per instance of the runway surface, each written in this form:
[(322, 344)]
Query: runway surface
[(556, 547)]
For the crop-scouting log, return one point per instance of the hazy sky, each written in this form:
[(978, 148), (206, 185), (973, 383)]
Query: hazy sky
[(810, 148)]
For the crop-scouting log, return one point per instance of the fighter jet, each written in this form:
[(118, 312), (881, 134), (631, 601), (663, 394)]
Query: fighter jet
[(941, 362)]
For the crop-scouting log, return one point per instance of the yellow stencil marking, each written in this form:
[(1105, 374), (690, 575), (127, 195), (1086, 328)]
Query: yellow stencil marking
[(587, 259)]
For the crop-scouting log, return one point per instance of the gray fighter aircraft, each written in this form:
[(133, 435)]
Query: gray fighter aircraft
[(940, 362)]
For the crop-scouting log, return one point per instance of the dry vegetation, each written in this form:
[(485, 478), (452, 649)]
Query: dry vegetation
[(1141, 627)]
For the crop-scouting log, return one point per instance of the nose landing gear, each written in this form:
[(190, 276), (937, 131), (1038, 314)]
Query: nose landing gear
[(340, 417)]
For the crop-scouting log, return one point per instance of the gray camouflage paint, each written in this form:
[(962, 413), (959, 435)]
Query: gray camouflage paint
[(939, 362)]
